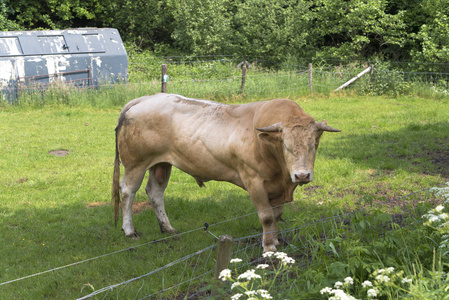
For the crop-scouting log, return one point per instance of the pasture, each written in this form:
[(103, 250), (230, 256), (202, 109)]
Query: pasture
[(55, 206)]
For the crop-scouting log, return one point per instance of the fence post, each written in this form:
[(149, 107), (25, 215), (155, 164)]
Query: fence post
[(223, 259), (164, 78), (243, 77), (224, 254), (310, 77)]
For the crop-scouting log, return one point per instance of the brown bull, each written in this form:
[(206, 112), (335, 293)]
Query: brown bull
[(267, 148)]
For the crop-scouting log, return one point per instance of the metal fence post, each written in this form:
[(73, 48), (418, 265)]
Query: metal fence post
[(310, 77), (164, 78), (243, 78)]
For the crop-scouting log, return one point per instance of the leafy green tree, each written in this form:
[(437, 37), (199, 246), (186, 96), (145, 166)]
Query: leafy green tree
[(272, 28), (58, 14), (433, 36), (202, 26), (147, 24), (5, 23), (356, 28)]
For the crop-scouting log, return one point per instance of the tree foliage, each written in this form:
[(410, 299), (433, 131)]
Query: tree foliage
[(344, 29)]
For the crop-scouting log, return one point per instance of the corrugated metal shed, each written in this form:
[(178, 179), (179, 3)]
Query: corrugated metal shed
[(85, 57)]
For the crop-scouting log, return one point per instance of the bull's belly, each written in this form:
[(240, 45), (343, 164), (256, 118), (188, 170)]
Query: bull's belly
[(203, 172)]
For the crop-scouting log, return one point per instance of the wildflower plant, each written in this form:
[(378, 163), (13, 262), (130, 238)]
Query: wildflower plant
[(256, 283), (438, 219), (384, 282)]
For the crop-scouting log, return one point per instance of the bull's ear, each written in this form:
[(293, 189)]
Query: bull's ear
[(270, 137), (323, 126)]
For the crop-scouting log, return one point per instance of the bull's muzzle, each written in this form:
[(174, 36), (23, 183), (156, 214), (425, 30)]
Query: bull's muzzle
[(302, 177)]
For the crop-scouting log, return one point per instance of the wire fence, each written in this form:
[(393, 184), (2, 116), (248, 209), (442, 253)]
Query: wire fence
[(195, 271), (222, 78), (191, 276)]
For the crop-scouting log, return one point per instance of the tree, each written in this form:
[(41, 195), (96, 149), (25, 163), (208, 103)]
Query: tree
[(356, 28), (147, 24), (202, 26), (272, 28), (433, 37)]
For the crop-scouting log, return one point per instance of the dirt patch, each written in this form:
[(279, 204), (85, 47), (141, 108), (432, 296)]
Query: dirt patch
[(97, 204), (138, 207), (141, 206), (59, 152)]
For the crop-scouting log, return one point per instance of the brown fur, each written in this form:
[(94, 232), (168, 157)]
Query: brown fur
[(267, 148)]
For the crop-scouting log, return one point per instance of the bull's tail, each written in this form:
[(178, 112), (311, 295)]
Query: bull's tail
[(115, 181)]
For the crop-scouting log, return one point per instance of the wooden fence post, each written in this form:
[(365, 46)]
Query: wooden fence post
[(223, 255), (243, 77), (164, 78), (310, 77), (223, 259)]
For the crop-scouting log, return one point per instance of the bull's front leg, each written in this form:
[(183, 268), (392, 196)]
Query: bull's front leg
[(268, 221), (267, 216)]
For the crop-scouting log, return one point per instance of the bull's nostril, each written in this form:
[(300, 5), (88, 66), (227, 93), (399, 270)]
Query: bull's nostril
[(302, 177)]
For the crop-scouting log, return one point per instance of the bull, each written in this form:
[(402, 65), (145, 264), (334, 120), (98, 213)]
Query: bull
[(267, 148)]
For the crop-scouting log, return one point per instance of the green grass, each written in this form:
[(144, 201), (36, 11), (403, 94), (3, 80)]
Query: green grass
[(55, 210)]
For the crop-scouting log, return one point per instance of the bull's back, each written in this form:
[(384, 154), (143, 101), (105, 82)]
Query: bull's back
[(196, 136)]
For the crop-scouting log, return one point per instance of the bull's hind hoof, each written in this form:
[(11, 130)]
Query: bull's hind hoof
[(167, 229)]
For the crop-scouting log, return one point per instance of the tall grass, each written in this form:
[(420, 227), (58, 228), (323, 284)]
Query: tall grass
[(221, 79)]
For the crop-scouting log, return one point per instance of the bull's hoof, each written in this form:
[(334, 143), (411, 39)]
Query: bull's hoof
[(169, 231), (269, 248), (134, 235)]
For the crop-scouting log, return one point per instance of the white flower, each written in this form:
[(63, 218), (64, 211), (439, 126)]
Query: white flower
[(382, 278), (235, 260), (264, 294), (326, 290), (341, 295), (268, 254), (235, 284), (280, 255), (236, 296), (439, 208), (372, 293), (349, 281), (288, 260), (250, 293), (225, 275), (443, 216), (367, 283), (406, 280), (262, 266), (433, 219), (338, 284), (390, 270), (249, 274)]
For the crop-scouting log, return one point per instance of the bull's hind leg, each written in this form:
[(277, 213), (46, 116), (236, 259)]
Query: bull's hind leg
[(157, 183), (130, 183)]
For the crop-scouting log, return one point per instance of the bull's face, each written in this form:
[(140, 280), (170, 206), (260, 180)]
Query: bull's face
[(299, 142)]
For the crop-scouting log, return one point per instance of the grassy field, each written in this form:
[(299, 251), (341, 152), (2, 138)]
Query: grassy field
[(55, 210)]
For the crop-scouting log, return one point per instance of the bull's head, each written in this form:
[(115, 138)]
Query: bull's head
[(299, 141)]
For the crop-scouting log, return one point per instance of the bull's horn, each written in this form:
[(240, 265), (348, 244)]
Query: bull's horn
[(272, 128), (323, 126)]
